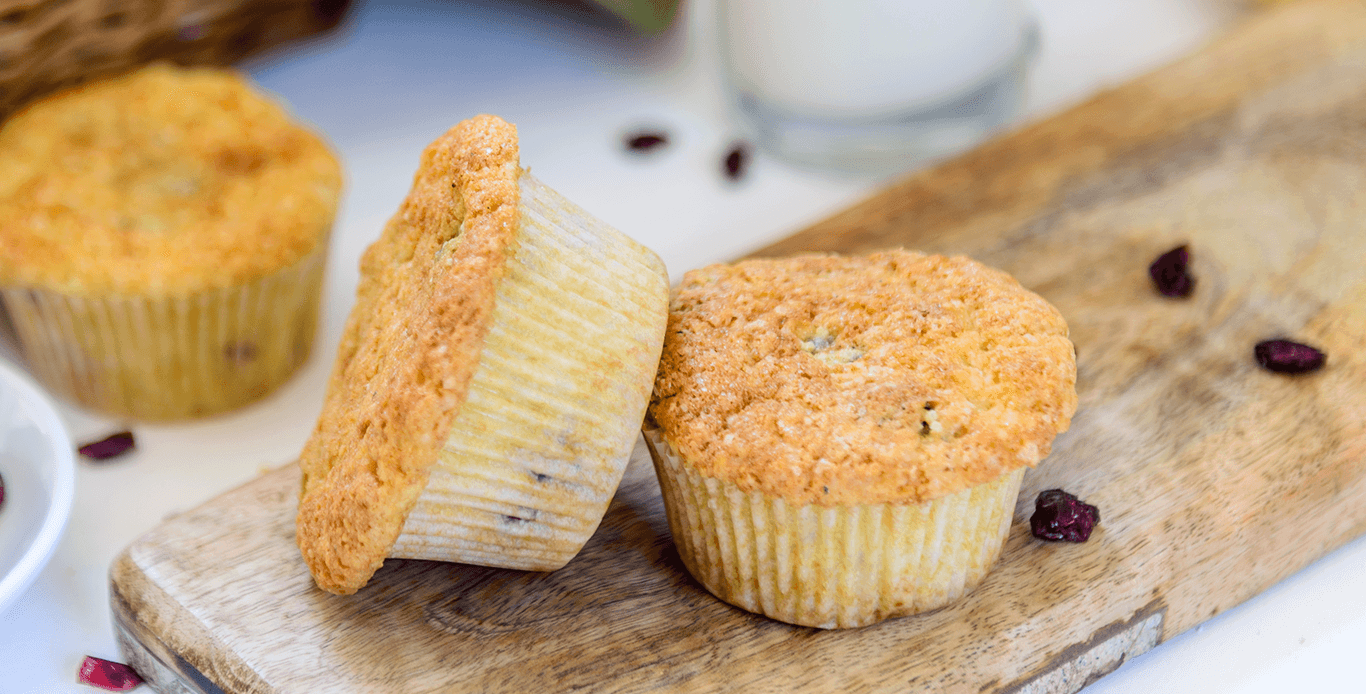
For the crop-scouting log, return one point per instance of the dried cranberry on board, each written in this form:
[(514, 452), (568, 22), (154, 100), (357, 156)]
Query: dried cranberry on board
[(1062, 517), (1171, 272), (1287, 357), (646, 141), (111, 446), (107, 675)]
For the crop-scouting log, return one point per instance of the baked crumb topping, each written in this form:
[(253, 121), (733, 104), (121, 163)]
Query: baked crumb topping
[(893, 378), (167, 180)]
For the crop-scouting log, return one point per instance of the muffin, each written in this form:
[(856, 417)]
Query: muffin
[(491, 379), (840, 440), (162, 241)]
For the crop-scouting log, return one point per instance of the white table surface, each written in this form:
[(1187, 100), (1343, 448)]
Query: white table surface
[(401, 73)]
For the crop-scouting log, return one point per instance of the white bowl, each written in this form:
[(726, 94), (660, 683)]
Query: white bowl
[(39, 468)]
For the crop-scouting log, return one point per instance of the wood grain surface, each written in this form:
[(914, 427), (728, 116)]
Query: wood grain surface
[(1215, 478)]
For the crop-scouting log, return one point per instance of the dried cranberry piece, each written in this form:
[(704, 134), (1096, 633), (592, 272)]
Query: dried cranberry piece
[(1059, 516), (2, 491), (1284, 356), (108, 447), (737, 158), (240, 352), (107, 675), (646, 141), (1171, 272)]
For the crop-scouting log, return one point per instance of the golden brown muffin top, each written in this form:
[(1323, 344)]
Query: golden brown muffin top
[(164, 181), (409, 350), (892, 378)]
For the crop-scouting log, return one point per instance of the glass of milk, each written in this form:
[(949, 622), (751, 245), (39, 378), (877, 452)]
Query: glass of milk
[(874, 86)]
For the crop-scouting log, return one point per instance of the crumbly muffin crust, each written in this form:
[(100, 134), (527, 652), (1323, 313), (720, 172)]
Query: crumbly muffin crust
[(164, 181), (410, 347), (892, 378)]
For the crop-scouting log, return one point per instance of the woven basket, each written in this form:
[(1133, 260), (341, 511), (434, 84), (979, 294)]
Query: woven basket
[(49, 44)]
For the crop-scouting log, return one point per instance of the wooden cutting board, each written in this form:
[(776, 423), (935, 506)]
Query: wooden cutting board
[(1215, 479)]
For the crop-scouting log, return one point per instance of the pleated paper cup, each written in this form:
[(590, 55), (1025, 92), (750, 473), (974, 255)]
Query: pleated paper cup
[(555, 404), (832, 567), (171, 357)]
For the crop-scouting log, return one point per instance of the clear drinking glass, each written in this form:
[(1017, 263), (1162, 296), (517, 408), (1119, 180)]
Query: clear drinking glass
[(874, 86)]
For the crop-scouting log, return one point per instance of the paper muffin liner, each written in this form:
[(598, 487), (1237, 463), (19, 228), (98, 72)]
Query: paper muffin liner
[(555, 404), (173, 357), (831, 567)]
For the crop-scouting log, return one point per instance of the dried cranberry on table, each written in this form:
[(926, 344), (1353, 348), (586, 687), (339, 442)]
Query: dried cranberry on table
[(646, 141), (1062, 517), (108, 447), (107, 675), (737, 159), (1171, 272), (1287, 357)]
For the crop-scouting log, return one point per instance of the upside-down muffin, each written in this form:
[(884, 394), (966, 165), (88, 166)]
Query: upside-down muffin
[(491, 379)]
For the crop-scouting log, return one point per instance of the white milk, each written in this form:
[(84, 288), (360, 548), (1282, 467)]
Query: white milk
[(867, 58)]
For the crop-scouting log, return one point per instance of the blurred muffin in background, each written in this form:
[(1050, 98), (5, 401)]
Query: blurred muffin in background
[(163, 237)]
